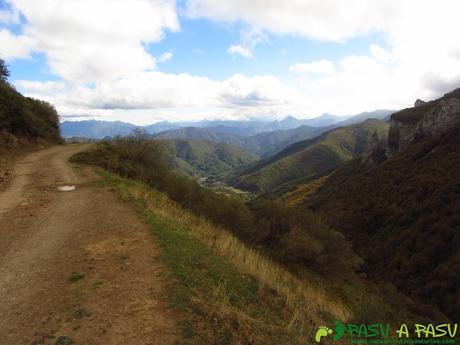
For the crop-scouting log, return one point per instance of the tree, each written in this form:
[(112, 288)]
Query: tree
[(4, 73)]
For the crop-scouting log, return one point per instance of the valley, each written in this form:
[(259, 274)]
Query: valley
[(228, 231), (221, 149), (322, 174), (206, 160), (310, 159)]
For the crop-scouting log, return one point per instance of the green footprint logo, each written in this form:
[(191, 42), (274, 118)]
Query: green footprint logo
[(322, 331)]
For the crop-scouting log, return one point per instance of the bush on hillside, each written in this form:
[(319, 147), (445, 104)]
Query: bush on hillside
[(24, 116), (294, 236), (139, 158), (299, 236)]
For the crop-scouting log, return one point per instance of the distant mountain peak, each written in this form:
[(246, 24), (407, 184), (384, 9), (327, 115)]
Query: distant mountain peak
[(289, 118)]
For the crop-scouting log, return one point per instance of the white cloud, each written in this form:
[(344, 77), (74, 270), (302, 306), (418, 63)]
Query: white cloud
[(102, 43), (93, 40), (421, 58), (9, 16), (239, 50), (166, 56), (358, 83), (148, 97), (321, 67), (41, 88), (15, 46), (379, 53), (249, 40), (259, 91), (325, 19)]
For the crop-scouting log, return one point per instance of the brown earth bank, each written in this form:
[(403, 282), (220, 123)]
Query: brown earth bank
[(5, 171), (76, 267)]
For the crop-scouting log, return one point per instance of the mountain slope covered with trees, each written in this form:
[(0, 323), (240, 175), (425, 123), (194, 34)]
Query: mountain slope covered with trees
[(201, 158), (310, 159), (269, 143), (24, 118), (25, 123), (408, 206)]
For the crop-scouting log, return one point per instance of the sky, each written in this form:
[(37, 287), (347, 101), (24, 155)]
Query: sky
[(144, 61)]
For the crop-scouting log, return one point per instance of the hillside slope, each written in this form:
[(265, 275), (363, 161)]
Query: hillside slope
[(269, 143), (225, 288), (25, 123), (310, 158), (408, 206), (24, 118), (205, 158)]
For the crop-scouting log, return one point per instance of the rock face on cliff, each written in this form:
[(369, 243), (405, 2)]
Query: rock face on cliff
[(419, 102), (375, 152), (425, 119)]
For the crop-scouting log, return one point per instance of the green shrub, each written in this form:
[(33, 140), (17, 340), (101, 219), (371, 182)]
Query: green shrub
[(24, 116)]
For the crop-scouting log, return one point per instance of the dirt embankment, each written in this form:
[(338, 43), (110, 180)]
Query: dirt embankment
[(5, 171)]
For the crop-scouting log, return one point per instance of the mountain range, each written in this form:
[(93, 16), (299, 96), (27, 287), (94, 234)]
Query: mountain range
[(95, 129), (260, 138)]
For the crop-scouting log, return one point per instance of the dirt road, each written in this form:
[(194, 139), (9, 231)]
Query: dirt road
[(76, 267)]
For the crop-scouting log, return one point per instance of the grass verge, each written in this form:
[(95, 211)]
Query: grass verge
[(226, 292)]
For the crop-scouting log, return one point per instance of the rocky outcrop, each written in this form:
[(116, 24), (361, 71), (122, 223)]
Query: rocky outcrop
[(375, 151), (425, 119), (419, 102)]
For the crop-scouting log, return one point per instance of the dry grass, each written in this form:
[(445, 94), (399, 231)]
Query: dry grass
[(305, 303)]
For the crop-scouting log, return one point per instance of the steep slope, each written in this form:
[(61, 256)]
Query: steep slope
[(424, 119), (228, 227), (94, 129), (408, 206), (25, 118), (204, 158), (310, 159), (270, 143), (25, 124), (224, 289)]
